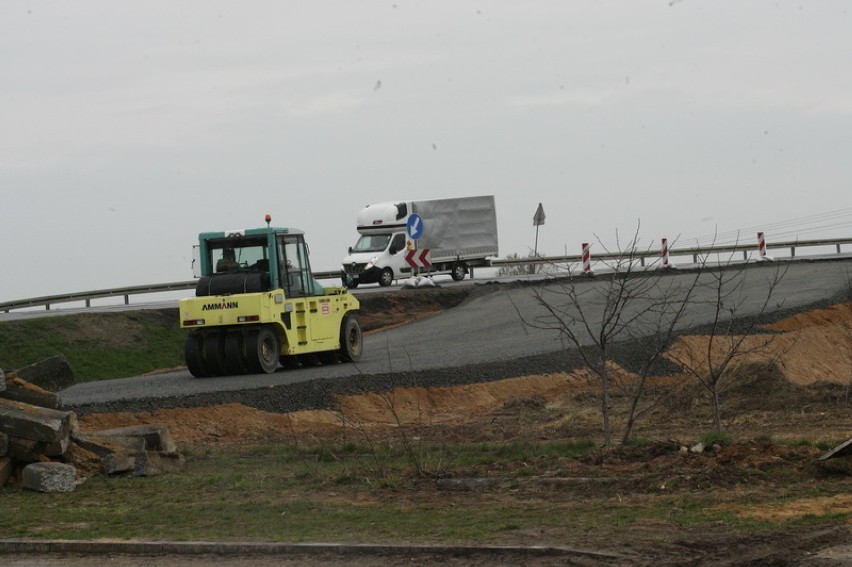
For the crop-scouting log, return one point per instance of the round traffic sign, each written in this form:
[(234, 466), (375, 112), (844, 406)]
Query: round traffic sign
[(414, 226)]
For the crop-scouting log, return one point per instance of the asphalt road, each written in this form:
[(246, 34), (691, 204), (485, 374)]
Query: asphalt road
[(493, 327)]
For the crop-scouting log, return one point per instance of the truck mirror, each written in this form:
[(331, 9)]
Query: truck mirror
[(350, 250), (393, 249)]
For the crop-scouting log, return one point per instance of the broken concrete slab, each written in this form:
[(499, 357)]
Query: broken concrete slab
[(106, 445), (118, 463), (53, 374), (24, 450), (154, 463), (19, 419), (20, 390), (49, 477), (143, 450), (156, 436), (7, 467)]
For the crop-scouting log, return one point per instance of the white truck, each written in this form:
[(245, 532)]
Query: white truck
[(452, 236)]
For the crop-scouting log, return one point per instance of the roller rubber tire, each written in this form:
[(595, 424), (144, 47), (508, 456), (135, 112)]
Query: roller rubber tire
[(351, 341), (262, 351), (235, 355), (214, 353), (193, 352)]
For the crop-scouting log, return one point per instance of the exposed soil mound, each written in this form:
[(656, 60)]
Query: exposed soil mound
[(400, 407), (808, 348), (840, 315), (749, 385)]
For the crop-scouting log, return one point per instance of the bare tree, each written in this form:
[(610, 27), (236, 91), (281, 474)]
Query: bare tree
[(629, 304), (646, 307), (732, 332)]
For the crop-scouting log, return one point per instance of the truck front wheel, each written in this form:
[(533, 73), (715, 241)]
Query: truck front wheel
[(386, 277), (351, 345), (459, 271), (262, 351)]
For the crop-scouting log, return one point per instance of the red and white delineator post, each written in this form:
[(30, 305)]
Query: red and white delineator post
[(664, 253), (587, 259), (761, 247)]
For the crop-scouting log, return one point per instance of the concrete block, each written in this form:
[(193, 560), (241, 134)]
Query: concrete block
[(156, 436), (153, 463), (18, 419), (53, 374), (24, 450), (20, 390), (7, 467), (105, 445), (118, 463), (49, 477)]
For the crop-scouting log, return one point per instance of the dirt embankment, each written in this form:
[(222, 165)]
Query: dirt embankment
[(804, 364)]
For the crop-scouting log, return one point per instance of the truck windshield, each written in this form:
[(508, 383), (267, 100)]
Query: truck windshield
[(372, 243)]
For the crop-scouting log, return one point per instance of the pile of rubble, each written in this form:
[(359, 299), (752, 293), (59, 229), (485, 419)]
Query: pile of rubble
[(43, 449)]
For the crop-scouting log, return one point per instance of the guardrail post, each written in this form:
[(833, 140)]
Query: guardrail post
[(838, 248), (587, 259), (127, 299), (88, 303), (792, 251)]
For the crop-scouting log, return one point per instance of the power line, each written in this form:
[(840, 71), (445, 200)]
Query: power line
[(821, 222)]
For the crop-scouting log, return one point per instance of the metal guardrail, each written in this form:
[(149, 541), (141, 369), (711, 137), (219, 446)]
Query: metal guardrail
[(126, 292), (695, 252)]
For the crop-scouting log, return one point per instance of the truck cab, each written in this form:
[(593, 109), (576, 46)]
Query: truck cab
[(379, 254), (257, 305), (376, 258)]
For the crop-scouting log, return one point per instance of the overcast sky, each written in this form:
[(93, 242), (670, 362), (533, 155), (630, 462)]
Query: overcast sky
[(129, 127)]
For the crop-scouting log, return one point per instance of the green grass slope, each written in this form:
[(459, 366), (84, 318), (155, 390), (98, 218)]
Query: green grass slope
[(98, 346)]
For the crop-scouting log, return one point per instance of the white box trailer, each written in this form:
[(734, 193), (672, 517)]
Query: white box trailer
[(458, 234)]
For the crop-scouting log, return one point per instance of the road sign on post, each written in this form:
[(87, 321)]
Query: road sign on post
[(414, 226), (538, 220), (419, 258)]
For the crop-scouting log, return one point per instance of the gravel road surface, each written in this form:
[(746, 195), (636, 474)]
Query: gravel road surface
[(487, 337)]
